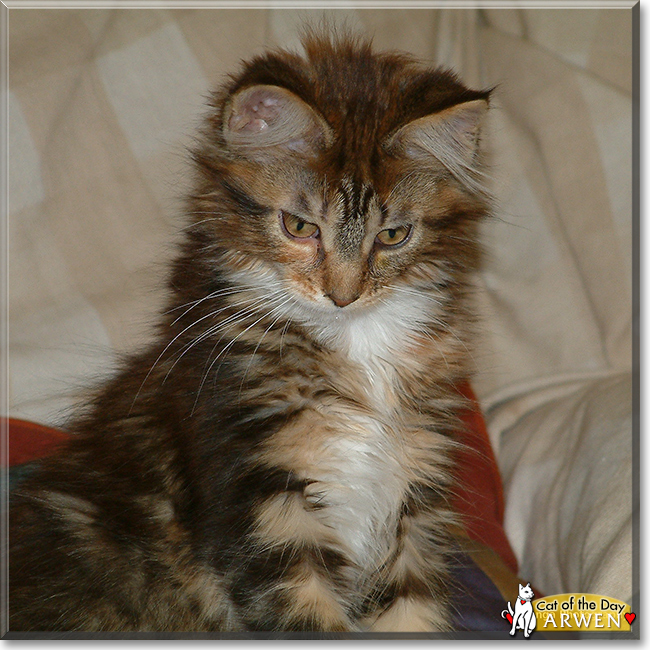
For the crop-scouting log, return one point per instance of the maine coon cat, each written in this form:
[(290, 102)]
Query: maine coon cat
[(280, 458)]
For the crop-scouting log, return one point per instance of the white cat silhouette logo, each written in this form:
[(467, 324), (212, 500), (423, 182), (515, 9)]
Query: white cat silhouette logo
[(523, 617)]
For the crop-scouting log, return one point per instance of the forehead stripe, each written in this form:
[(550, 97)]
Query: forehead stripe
[(365, 202), (347, 200), (356, 200)]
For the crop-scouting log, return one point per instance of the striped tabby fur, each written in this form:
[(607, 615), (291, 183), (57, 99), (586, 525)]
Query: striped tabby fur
[(280, 459)]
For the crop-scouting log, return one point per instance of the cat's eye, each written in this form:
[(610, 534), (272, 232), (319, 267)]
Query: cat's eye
[(296, 227), (394, 236)]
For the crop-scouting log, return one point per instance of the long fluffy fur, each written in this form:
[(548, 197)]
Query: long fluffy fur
[(276, 461)]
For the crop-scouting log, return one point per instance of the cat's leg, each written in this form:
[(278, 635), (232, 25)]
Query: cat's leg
[(416, 582), (73, 568), (527, 623), (295, 578), (515, 623)]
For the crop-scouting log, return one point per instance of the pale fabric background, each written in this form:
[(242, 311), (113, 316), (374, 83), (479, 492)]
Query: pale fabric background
[(102, 105)]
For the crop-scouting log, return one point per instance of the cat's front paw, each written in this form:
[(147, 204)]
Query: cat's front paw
[(410, 614)]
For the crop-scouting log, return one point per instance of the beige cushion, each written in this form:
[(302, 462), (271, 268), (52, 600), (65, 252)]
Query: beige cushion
[(567, 470)]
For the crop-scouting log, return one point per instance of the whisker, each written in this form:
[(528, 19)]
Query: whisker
[(436, 343), (160, 356), (210, 295), (194, 224), (211, 314), (224, 350), (266, 331), (215, 294), (415, 292), (231, 320), (284, 331), (243, 332)]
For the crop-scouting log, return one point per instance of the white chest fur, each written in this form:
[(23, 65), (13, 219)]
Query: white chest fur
[(361, 486), (362, 469)]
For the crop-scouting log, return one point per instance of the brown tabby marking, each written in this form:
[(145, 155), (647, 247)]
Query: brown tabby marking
[(280, 458)]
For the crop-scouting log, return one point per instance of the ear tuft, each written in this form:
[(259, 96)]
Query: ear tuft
[(450, 136), (463, 124), (269, 119)]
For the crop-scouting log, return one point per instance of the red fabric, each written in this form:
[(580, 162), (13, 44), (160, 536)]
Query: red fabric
[(30, 441), (479, 496), (479, 492)]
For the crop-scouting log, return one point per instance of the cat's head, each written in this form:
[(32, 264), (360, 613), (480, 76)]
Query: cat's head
[(526, 592), (345, 180)]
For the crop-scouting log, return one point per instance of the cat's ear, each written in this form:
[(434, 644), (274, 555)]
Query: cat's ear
[(263, 120), (450, 136)]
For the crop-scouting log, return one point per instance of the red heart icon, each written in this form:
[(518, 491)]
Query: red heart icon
[(522, 602), (509, 617), (630, 617)]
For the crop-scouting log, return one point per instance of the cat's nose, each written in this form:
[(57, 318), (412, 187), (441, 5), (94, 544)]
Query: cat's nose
[(342, 300)]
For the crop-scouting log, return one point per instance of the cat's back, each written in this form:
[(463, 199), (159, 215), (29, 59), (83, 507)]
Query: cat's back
[(98, 537)]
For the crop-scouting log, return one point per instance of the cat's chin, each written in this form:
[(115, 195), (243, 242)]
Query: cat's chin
[(372, 324), (321, 312), (371, 327), (298, 305)]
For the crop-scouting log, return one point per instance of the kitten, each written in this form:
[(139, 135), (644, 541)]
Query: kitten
[(280, 459)]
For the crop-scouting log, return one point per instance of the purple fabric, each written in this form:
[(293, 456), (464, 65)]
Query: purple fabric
[(476, 602)]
